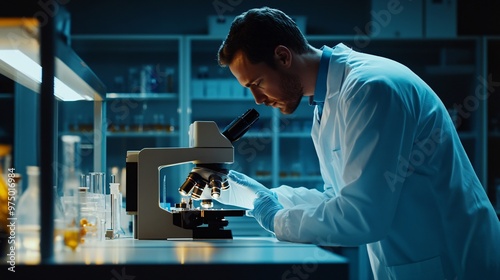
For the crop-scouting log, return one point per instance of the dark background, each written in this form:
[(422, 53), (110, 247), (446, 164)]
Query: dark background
[(190, 16)]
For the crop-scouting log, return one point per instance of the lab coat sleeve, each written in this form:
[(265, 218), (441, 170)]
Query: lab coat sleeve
[(290, 196), (377, 136)]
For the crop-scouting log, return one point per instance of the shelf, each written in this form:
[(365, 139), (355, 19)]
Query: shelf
[(300, 134), (77, 133), (258, 135), (143, 96), (142, 134), (217, 98)]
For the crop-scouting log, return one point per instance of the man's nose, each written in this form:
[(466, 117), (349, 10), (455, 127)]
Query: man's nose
[(258, 96)]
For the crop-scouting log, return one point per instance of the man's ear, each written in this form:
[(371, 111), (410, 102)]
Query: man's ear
[(283, 56)]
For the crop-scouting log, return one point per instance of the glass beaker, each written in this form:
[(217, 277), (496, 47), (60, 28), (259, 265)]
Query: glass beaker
[(72, 228), (89, 222), (96, 204)]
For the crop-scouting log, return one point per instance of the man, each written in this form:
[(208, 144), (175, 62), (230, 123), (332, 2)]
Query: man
[(396, 176)]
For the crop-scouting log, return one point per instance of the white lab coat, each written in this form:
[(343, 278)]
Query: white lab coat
[(396, 178)]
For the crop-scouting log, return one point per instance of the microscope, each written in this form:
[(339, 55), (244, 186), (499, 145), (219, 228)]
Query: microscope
[(210, 151)]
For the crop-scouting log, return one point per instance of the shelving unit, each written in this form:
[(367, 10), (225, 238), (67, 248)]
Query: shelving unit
[(272, 148), (143, 104)]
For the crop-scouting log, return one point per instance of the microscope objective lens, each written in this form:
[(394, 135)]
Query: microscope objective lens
[(215, 192), (225, 185), (206, 203), (197, 191), (216, 185), (187, 186), (191, 181)]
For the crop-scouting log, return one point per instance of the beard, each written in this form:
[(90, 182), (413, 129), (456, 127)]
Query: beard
[(293, 90)]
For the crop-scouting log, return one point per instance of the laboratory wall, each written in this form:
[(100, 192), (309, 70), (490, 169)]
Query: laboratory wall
[(452, 44), (158, 62)]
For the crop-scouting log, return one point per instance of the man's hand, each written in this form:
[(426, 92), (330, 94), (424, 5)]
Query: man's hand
[(241, 192), (265, 207), (240, 180)]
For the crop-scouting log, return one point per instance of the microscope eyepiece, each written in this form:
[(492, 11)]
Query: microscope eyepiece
[(240, 125)]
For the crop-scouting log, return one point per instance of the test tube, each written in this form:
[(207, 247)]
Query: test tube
[(91, 182), (98, 188), (97, 182)]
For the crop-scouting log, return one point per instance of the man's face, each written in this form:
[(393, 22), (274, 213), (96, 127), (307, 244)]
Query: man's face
[(278, 87)]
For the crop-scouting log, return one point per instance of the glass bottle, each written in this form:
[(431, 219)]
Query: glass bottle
[(28, 212)]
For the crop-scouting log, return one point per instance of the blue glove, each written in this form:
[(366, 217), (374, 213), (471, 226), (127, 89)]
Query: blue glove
[(265, 207), (238, 180), (241, 192)]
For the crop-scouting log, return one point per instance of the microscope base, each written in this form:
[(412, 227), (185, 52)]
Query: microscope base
[(208, 233), (194, 219)]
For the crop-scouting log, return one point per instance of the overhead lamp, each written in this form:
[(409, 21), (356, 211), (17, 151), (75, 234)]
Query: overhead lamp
[(20, 61)]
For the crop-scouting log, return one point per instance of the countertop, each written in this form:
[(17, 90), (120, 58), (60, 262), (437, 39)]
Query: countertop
[(238, 258)]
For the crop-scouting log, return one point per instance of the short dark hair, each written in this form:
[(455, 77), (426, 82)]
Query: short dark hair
[(257, 32)]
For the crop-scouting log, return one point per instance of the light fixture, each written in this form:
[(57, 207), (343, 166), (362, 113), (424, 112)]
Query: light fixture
[(20, 61)]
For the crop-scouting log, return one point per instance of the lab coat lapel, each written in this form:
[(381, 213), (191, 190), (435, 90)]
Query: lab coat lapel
[(327, 132)]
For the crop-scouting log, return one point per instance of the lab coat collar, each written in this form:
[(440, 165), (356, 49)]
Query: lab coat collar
[(320, 89), (331, 72), (330, 76), (337, 70)]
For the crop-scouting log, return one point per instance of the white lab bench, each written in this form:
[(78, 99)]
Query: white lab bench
[(238, 258)]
